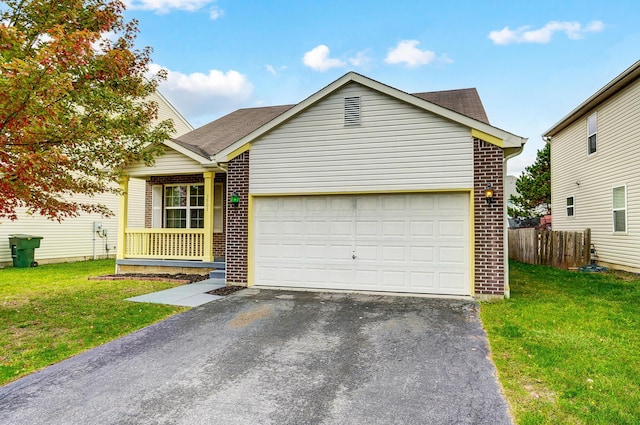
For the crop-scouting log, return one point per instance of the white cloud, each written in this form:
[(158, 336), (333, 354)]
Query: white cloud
[(573, 30), (273, 70), (407, 52), (165, 6), (361, 59), (215, 12), (198, 94), (318, 59)]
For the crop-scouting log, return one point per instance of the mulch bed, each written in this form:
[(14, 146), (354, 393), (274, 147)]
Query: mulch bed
[(226, 290), (166, 277), (163, 277)]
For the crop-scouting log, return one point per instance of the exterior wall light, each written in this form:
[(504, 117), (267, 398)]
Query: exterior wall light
[(235, 199), (488, 194)]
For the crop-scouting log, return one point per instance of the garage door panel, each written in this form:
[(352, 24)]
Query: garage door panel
[(422, 254), (341, 205), (339, 228), (391, 228), (317, 252), (394, 204), (394, 279), (394, 253), (422, 281), (292, 228), (269, 228), (452, 255), (421, 228), (453, 282), (402, 242), (340, 278), (452, 228), (291, 252), (423, 204), (315, 228)]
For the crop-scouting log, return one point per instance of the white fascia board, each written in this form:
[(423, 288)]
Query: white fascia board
[(510, 140)]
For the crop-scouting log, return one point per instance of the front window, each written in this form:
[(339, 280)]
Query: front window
[(620, 209), (592, 133), (184, 206)]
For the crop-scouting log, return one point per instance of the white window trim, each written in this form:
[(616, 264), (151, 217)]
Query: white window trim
[(157, 199), (573, 207), (218, 210), (613, 210), (187, 207), (595, 114)]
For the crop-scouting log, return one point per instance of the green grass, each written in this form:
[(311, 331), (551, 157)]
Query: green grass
[(52, 312), (567, 346)]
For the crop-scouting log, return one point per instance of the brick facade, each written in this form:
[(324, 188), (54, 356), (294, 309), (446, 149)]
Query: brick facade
[(238, 220), (218, 238), (489, 220)]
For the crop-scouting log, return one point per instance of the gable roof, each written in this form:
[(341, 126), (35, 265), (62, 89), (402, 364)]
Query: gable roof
[(465, 101), (217, 135), (230, 133), (628, 76)]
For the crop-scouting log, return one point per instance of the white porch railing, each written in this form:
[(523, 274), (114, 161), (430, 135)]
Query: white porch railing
[(164, 244)]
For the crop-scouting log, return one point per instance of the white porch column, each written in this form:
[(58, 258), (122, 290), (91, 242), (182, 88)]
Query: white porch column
[(123, 215), (208, 215)]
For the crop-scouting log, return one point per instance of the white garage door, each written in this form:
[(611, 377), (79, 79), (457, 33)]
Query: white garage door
[(416, 243)]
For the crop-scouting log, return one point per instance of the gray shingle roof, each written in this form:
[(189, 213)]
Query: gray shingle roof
[(464, 101), (223, 132)]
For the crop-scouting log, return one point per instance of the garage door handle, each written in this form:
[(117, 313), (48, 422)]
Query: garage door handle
[(353, 256)]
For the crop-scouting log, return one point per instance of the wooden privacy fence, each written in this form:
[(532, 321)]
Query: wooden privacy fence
[(550, 247)]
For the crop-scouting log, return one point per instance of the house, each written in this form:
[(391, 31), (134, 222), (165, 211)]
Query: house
[(361, 186), (87, 236), (595, 180)]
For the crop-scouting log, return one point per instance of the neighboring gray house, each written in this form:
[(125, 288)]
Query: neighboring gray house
[(595, 170), (360, 186)]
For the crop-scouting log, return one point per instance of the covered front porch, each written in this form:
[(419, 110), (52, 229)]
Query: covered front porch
[(175, 224)]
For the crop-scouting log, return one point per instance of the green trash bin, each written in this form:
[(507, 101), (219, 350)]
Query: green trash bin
[(22, 250)]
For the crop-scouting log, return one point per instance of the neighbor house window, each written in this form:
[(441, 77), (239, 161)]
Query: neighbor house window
[(592, 133), (184, 206), (570, 207), (620, 209)]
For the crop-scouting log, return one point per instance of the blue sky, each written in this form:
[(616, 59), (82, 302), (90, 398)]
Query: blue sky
[(532, 62)]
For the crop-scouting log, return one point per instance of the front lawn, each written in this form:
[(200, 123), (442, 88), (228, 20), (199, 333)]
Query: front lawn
[(567, 346), (52, 312)]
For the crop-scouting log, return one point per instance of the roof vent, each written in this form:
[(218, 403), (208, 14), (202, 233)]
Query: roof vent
[(352, 111)]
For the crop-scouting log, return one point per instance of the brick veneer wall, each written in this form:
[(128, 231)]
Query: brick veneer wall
[(218, 238), (238, 220), (489, 220)]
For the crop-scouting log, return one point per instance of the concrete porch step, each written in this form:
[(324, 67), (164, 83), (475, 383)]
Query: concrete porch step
[(217, 274)]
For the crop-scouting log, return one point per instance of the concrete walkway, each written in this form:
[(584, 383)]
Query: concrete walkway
[(191, 295)]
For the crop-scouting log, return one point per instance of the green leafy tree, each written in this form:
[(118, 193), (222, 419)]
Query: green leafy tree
[(534, 187), (74, 104)]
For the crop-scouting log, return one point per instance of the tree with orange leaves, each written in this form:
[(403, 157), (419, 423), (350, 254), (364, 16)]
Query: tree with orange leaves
[(74, 104)]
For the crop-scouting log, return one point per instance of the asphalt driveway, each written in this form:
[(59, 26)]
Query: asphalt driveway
[(278, 357)]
